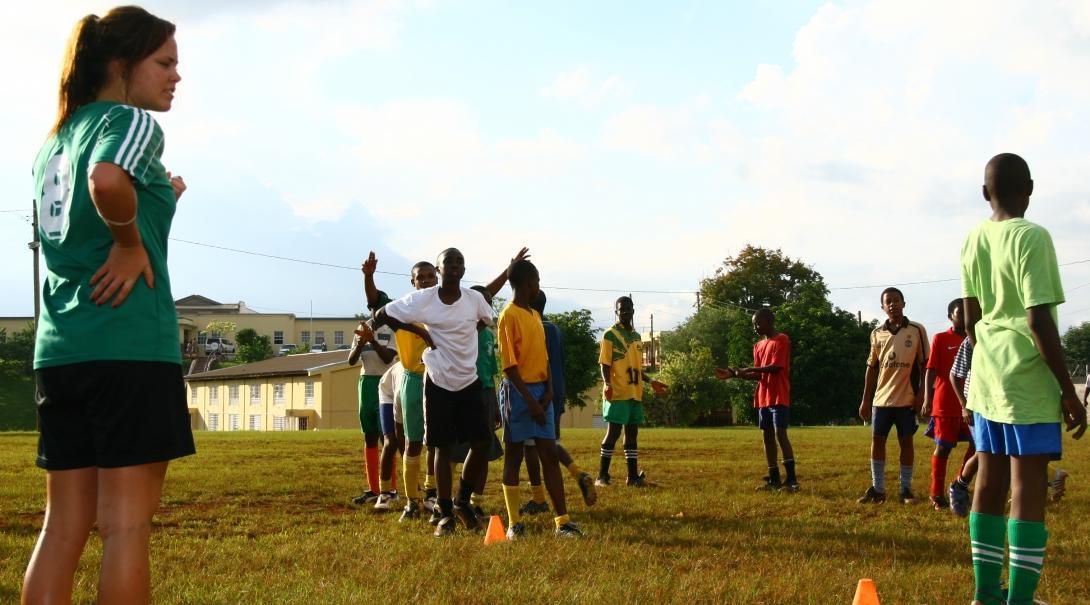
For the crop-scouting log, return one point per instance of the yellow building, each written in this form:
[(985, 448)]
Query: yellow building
[(296, 392), (281, 328)]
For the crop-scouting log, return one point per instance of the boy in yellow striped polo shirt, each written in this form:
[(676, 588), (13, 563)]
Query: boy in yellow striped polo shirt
[(621, 357)]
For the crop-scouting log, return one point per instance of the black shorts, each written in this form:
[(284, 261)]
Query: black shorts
[(110, 414), (453, 416), (886, 418)]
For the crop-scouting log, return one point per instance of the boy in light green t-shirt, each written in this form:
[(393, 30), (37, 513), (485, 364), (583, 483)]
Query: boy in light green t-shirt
[(1020, 389)]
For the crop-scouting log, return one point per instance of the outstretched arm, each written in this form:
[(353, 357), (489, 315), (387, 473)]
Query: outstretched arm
[(496, 285)]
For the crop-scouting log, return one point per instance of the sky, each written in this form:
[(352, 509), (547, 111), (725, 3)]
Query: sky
[(632, 146)]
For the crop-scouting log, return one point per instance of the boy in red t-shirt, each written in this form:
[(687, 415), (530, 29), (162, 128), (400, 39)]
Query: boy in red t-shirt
[(771, 369), (947, 426)]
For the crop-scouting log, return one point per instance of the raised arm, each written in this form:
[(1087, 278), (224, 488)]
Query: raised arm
[(369, 289)]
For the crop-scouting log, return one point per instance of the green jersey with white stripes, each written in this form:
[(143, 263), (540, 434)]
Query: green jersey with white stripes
[(75, 241)]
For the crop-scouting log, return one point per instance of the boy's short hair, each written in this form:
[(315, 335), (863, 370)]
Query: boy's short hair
[(765, 312), (1007, 176), (519, 272), (421, 265), (624, 299), (891, 290), (954, 304), (538, 303)]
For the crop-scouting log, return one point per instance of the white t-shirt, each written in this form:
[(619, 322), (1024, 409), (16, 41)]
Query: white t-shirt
[(371, 362), (389, 385), (452, 364)]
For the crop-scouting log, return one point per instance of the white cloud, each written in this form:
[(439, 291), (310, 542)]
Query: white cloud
[(581, 85)]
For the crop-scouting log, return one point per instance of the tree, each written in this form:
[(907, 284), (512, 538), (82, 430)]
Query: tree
[(1076, 342), (251, 346), (220, 327), (19, 347), (758, 277), (580, 353), (694, 390)]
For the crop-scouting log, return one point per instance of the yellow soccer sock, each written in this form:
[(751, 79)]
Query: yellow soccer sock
[(411, 477), (539, 493), (574, 470), (561, 520), (429, 481), (511, 498)]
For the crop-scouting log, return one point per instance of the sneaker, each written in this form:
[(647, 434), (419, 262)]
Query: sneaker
[(445, 527), (367, 497), (791, 486), (436, 516), (586, 485), (387, 501), (534, 508), (640, 480), (769, 485), (1058, 486), (467, 516), (959, 498), (906, 496), (569, 530), (602, 481), (516, 531), (940, 502), (872, 496), (411, 511)]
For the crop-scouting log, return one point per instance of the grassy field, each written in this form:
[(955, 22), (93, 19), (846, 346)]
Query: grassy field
[(265, 518)]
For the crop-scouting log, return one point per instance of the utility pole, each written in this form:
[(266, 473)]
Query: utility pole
[(34, 245), (652, 342), (859, 317), (312, 339)]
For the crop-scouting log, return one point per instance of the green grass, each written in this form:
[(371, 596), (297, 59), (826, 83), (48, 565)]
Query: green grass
[(16, 398), (264, 518)]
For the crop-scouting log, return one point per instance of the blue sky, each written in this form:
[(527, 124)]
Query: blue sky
[(630, 145)]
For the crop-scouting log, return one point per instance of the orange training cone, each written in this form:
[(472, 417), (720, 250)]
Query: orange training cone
[(496, 533), (866, 593)]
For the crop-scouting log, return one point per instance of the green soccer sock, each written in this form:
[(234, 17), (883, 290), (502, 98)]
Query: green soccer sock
[(987, 534), (1027, 558)]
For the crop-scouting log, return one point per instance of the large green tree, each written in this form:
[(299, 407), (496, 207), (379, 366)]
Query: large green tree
[(758, 277), (580, 352), (252, 346), (1076, 342)]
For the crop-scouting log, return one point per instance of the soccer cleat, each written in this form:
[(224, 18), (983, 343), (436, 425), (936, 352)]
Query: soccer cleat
[(411, 511), (770, 485), (480, 511), (1058, 486), (569, 530), (791, 486), (534, 508), (431, 501), (586, 485), (959, 498), (467, 516), (366, 497), (436, 515), (872, 496), (517, 531), (602, 481), (445, 527), (387, 501), (940, 502), (640, 480), (906, 496)]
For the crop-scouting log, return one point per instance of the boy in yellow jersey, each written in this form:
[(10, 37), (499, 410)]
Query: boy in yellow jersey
[(527, 397), (410, 349), (621, 356)]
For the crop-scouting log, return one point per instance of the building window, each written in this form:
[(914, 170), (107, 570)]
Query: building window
[(192, 395), (255, 422), (305, 337), (232, 422), (338, 337), (308, 393), (319, 337), (278, 337), (255, 394), (213, 422), (214, 394), (232, 395), (278, 423), (278, 394)]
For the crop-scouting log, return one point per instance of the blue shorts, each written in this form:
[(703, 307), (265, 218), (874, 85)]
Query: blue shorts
[(518, 426), (386, 418), (558, 411), (1017, 439), (774, 416), (885, 418)]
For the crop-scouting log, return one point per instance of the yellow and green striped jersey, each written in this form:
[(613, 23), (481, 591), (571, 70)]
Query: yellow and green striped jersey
[(622, 351)]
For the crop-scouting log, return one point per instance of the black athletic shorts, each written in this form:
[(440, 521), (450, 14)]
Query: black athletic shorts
[(885, 419), (110, 414), (455, 416)]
